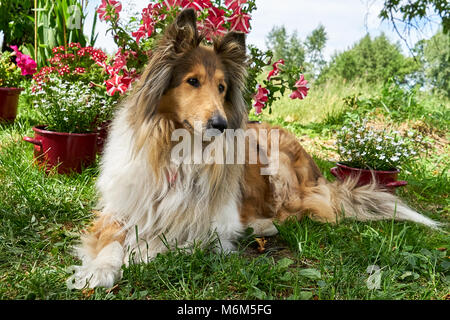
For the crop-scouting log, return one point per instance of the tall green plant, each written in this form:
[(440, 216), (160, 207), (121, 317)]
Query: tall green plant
[(58, 23)]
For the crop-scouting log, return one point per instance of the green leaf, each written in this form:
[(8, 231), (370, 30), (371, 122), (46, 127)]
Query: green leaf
[(310, 273), (284, 263), (305, 295)]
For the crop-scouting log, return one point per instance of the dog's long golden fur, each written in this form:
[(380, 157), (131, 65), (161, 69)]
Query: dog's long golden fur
[(145, 196)]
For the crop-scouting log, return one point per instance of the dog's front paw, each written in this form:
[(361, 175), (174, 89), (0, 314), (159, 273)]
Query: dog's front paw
[(103, 271), (225, 246)]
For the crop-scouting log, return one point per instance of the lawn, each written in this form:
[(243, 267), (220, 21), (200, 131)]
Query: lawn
[(42, 215)]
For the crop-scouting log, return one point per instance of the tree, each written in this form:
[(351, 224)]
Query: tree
[(436, 56), (284, 47), (371, 60), (414, 10), (16, 22), (315, 43)]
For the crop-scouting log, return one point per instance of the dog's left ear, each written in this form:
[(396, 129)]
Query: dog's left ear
[(231, 50), (182, 34), (232, 45)]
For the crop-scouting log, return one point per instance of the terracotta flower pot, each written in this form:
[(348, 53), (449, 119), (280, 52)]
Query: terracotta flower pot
[(9, 99), (70, 152), (387, 179)]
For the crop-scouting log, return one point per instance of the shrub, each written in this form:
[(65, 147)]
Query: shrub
[(371, 60)]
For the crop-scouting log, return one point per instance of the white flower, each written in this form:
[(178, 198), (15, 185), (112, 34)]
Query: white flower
[(395, 158), (382, 157)]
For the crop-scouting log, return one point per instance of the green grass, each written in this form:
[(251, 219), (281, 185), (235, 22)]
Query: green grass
[(42, 215)]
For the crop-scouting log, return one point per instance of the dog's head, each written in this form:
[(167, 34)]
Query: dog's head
[(189, 82)]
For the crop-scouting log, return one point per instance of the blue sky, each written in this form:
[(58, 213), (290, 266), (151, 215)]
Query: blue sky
[(345, 21)]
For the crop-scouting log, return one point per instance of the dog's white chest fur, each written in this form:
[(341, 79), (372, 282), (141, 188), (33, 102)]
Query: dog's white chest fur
[(185, 205), (183, 208)]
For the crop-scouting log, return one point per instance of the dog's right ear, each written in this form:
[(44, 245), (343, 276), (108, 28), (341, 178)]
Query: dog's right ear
[(182, 34)]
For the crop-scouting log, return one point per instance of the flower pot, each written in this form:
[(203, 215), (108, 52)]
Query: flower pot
[(9, 99), (387, 179), (69, 152)]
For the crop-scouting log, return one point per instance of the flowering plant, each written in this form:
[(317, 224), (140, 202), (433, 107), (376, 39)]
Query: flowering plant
[(74, 63), (214, 19), (11, 74), (82, 66), (360, 145), (279, 80), (70, 106), (135, 46)]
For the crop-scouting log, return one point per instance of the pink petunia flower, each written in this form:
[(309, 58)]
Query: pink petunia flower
[(117, 84), (240, 21), (196, 4), (302, 89), (169, 4), (106, 8), (276, 69), (261, 97), (26, 64), (149, 19), (214, 23), (234, 4)]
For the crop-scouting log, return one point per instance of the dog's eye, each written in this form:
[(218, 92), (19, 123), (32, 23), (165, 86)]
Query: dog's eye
[(221, 88), (194, 82)]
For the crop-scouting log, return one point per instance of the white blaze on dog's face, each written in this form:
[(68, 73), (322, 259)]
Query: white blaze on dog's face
[(197, 92)]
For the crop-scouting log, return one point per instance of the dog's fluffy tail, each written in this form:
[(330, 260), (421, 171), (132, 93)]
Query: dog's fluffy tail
[(331, 202)]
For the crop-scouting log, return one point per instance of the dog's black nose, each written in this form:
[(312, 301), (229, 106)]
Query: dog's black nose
[(218, 122)]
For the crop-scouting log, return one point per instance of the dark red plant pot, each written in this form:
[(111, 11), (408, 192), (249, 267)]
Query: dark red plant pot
[(9, 99), (387, 179), (69, 152)]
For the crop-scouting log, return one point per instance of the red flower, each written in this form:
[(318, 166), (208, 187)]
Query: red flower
[(120, 60), (276, 69), (234, 4), (214, 23), (26, 64), (117, 84), (75, 44), (149, 19), (261, 97), (240, 21), (196, 4), (302, 90), (107, 8), (172, 3)]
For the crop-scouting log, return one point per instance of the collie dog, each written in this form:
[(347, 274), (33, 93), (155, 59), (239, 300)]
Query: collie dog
[(150, 202)]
